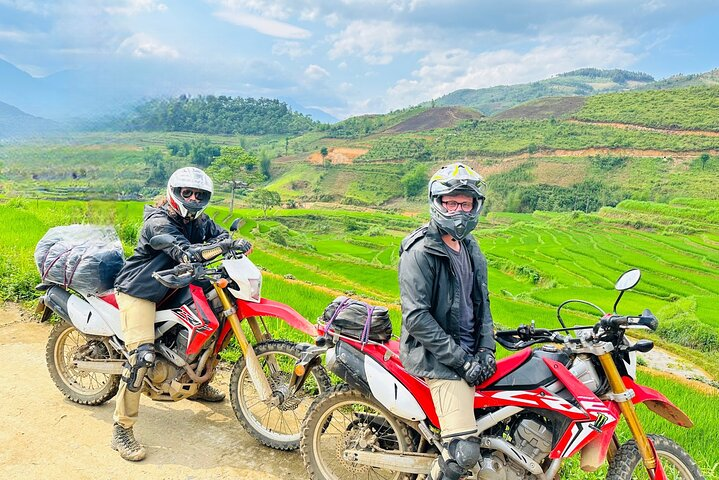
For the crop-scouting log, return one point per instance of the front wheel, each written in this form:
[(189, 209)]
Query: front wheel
[(275, 426), (344, 419), (627, 463), (67, 344)]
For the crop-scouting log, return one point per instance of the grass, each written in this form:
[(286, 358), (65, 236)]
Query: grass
[(536, 261)]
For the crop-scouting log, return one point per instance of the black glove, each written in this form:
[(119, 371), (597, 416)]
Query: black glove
[(242, 245), (471, 370), (486, 360)]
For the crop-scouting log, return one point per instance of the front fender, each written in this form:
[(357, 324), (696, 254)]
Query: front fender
[(270, 308), (658, 403)]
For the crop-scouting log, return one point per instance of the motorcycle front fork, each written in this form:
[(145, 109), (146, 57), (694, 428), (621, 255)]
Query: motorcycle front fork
[(623, 397), (259, 380)]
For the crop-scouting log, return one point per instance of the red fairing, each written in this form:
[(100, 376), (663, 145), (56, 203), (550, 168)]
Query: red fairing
[(269, 308), (200, 332), (110, 298), (600, 417), (415, 385)]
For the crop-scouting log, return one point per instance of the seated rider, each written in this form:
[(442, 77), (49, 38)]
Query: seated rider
[(179, 214), (447, 330)]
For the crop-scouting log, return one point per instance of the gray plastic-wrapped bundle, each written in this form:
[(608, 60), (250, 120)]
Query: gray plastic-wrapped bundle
[(86, 258)]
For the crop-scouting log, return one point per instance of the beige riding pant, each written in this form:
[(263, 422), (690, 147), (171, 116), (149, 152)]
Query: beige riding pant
[(137, 320), (454, 404)]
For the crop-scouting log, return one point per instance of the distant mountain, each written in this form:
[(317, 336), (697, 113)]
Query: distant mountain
[(679, 81), (16, 124), (582, 82)]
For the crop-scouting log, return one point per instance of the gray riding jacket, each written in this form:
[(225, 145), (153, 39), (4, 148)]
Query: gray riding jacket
[(429, 292)]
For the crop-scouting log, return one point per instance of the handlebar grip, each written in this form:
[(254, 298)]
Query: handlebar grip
[(647, 319)]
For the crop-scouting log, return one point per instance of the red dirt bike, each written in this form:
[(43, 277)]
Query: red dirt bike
[(86, 352), (539, 408)]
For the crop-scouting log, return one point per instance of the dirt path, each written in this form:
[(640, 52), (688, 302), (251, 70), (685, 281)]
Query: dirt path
[(45, 436)]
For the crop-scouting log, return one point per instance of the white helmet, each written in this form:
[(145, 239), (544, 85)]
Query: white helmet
[(186, 178), (456, 178)]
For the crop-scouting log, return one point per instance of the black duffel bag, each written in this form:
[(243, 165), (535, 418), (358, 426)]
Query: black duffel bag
[(358, 320)]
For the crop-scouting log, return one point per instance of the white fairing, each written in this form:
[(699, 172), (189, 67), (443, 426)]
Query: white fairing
[(88, 319), (390, 392), (247, 276), (632, 365)]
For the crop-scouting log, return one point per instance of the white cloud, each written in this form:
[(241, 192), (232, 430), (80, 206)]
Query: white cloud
[(27, 6), (290, 48), (266, 8), (378, 42), (142, 45), (444, 71), (15, 36), (266, 26), (133, 7), (315, 72)]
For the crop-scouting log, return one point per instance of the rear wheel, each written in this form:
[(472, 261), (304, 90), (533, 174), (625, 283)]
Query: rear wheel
[(627, 463), (275, 426), (67, 344), (345, 419)]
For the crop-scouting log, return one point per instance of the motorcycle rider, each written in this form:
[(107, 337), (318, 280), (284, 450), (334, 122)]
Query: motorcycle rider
[(197, 238), (447, 329)]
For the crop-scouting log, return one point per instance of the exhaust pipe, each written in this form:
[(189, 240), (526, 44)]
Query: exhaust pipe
[(56, 300)]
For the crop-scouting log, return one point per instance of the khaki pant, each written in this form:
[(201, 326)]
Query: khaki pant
[(454, 404), (137, 320)]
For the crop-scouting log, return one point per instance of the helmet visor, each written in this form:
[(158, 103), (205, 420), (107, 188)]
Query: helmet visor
[(199, 195)]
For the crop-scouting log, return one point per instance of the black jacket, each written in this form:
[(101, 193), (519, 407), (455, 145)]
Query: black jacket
[(135, 278), (429, 291)]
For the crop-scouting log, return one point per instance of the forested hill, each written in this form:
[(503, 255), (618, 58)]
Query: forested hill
[(582, 82), (216, 115)]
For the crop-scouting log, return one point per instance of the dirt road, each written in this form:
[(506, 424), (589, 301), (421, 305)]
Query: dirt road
[(45, 436)]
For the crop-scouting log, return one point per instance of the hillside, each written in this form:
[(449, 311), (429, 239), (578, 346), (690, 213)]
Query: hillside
[(16, 124), (581, 82), (542, 109), (441, 117), (693, 108), (680, 81), (216, 115)]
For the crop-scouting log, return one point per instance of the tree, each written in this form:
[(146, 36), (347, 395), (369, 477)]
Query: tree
[(266, 199), (325, 161), (415, 181), (237, 168), (704, 158)]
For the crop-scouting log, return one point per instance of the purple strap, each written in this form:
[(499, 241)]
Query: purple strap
[(337, 311), (364, 338)]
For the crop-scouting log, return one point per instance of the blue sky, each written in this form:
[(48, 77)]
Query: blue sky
[(350, 57)]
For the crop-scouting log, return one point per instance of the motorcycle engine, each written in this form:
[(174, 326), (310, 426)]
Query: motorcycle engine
[(181, 342), (531, 435)]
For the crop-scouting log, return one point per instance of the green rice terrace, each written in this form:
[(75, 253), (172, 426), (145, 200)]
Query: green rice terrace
[(536, 261)]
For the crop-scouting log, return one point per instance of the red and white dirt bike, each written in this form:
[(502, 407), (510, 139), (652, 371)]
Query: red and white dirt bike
[(540, 407), (86, 352)]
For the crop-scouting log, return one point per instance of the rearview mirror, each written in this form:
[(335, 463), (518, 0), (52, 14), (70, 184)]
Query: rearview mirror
[(159, 242), (235, 225), (628, 280)]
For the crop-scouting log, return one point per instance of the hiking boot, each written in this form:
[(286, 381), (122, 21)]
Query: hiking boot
[(123, 440), (208, 393)]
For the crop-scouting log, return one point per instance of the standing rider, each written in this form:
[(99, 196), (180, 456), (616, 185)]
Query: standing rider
[(447, 330), (197, 238)]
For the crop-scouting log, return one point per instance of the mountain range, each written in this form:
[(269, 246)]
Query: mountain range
[(76, 96)]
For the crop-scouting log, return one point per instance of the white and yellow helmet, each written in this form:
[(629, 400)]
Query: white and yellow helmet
[(456, 179)]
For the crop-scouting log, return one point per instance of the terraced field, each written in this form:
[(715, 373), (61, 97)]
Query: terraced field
[(535, 262)]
